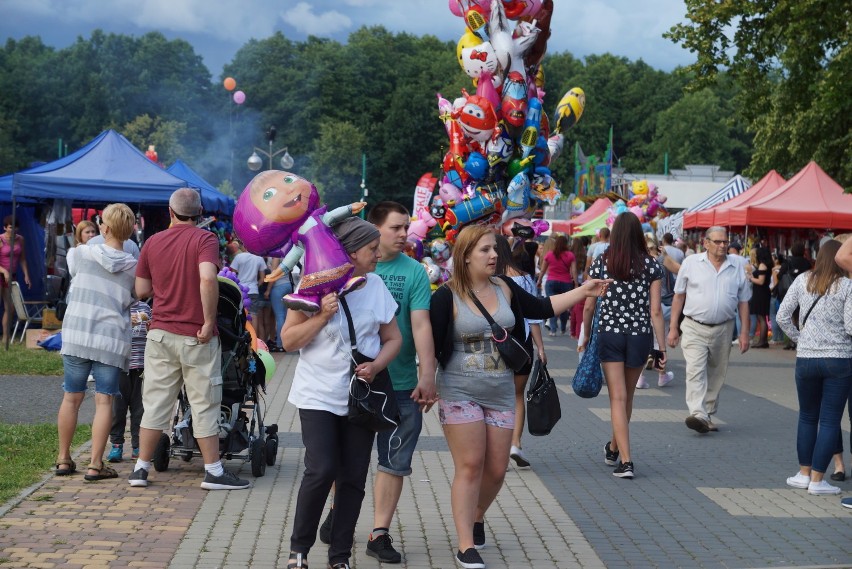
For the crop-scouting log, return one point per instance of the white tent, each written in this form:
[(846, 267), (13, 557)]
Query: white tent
[(674, 223)]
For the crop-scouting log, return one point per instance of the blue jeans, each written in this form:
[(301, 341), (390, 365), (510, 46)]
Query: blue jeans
[(396, 448), (777, 333), (558, 287), (77, 372), (279, 288), (823, 386)]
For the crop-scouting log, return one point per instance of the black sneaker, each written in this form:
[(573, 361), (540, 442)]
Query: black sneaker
[(139, 478), (380, 547), (325, 528), (478, 535), (624, 470), (610, 456), (470, 559), (228, 481)]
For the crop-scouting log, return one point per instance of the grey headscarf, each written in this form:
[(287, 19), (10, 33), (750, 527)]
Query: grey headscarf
[(353, 233)]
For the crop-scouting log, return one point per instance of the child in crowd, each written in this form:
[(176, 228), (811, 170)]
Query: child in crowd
[(130, 386)]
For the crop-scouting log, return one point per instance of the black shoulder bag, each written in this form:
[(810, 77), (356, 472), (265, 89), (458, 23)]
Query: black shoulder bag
[(808, 313), (371, 405), (511, 350), (543, 410)]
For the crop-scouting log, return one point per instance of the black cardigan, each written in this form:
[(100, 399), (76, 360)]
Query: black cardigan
[(524, 305)]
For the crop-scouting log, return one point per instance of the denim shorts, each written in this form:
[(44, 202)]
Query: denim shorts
[(77, 372), (631, 350), (396, 448)]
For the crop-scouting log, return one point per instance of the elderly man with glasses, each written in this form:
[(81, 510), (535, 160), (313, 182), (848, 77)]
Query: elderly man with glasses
[(711, 291)]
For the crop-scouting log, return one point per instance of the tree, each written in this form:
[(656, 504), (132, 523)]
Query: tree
[(336, 165), (793, 62), (165, 135)]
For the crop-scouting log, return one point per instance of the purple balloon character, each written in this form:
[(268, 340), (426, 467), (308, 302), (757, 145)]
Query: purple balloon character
[(279, 214)]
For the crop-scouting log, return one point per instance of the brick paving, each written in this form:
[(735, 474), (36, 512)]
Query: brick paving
[(716, 501)]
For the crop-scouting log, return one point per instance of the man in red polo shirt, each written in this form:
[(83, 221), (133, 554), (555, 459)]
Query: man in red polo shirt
[(178, 267)]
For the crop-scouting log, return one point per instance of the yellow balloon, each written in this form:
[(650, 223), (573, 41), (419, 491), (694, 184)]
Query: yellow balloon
[(570, 109), (468, 39)]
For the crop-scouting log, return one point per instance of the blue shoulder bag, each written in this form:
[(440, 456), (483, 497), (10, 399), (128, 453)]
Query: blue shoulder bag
[(588, 379)]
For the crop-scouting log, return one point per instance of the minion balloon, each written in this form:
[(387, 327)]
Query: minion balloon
[(570, 109)]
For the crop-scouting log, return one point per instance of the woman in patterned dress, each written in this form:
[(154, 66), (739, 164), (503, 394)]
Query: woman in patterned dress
[(627, 311)]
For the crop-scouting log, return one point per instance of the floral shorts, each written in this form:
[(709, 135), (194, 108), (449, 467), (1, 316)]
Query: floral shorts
[(460, 412)]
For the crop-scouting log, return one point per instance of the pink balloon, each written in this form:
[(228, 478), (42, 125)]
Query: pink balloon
[(485, 88), (239, 97)]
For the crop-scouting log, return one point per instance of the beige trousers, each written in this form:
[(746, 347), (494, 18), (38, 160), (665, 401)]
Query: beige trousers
[(706, 350)]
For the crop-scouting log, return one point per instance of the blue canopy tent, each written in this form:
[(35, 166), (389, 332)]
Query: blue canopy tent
[(212, 199), (108, 169)]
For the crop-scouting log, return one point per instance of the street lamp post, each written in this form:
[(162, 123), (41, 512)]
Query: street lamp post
[(255, 162)]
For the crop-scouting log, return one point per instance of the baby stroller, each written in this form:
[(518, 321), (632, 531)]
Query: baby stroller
[(242, 434)]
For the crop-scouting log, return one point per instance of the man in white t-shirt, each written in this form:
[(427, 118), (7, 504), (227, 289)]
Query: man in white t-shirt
[(596, 249)]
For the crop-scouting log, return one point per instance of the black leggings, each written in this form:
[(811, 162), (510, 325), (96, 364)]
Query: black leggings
[(130, 389), (338, 452)]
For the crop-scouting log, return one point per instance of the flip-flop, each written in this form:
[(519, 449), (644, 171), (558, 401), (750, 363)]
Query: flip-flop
[(72, 467), (104, 472)]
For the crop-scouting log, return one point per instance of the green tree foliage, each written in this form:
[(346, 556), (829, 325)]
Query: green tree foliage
[(332, 102), (164, 135), (793, 62)]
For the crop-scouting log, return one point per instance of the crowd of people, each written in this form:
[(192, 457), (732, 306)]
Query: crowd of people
[(638, 296)]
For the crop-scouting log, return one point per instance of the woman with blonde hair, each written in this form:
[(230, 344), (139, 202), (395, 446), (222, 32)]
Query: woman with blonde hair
[(477, 406), (96, 335), (823, 363)]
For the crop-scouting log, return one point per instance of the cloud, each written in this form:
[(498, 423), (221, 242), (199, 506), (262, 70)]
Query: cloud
[(303, 19)]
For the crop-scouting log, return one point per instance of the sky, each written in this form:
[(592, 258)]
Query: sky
[(218, 28)]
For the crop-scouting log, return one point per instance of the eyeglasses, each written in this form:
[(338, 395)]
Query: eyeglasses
[(718, 241)]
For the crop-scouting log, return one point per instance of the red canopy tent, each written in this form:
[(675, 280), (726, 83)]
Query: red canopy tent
[(598, 207), (732, 212), (810, 199)]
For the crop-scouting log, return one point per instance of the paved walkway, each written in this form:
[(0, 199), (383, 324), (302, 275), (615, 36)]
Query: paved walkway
[(716, 500)]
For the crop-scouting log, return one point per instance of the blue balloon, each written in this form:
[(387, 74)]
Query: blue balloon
[(476, 166)]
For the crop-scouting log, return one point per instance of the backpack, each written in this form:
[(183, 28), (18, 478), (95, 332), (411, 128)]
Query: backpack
[(785, 281)]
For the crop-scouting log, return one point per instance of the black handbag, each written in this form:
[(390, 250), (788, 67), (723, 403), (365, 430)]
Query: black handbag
[(371, 405), (543, 410), (514, 354)]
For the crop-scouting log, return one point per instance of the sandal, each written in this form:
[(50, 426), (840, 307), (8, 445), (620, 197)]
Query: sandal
[(297, 561), (104, 472), (72, 467)]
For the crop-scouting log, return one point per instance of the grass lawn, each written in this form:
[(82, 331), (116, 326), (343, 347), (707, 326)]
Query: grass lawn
[(20, 360), (28, 451)]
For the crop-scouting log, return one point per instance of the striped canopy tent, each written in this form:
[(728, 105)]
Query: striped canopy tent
[(672, 224), (734, 187)]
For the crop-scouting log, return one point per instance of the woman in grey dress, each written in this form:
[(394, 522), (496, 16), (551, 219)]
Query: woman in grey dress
[(477, 405)]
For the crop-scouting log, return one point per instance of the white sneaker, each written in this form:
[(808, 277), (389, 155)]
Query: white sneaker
[(799, 481), (641, 383), (665, 379), (822, 487), (517, 455)]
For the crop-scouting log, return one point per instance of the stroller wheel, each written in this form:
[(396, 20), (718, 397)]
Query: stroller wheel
[(186, 456), (161, 454), (258, 457), (271, 450)]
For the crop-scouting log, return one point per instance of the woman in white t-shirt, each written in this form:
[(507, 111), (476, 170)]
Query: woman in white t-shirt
[(335, 449)]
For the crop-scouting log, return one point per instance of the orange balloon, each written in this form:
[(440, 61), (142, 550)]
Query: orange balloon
[(253, 335), (229, 83)]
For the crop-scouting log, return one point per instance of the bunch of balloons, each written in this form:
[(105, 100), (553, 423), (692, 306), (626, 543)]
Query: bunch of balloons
[(230, 84), (501, 142), (231, 275), (646, 202)]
